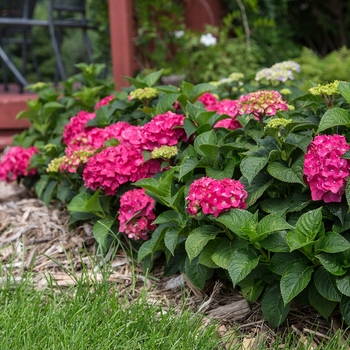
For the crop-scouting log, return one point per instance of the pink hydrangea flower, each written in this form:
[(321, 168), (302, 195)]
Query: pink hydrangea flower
[(104, 102), (324, 169), (263, 102), (136, 214), (229, 107), (215, 196), (15, 163), (76, 126), (209, 100), (114, 166), (132, 134), (163, 130)]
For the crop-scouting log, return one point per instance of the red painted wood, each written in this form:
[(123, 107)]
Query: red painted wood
[(201, 12), (121, 33)]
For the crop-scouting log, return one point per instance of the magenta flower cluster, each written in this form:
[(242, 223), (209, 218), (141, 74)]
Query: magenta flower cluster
[(209, 100), (104, 102), (15, 163), (136, 214), (215, 196), (117, 165), (324, 169), (76, 126)]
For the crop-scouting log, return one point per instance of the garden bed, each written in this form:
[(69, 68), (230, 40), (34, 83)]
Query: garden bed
[(35, 238)]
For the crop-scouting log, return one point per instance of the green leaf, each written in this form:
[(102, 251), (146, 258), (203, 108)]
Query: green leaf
[(319, 303), (101, 230), (273, 307), (199, 90), (206, 138), (149, 184), (47, 195), (332, 263), (257, 188), (154, 244), (242, 262), (251, 289), (276, 242), (334, 117), (189, 127), (171, 239), (347, 193), (297, 240), (170, 216), (271, 223), (198, 238), (41, 185), (310, 223), (186, 88), (94, 205), (197, 273), (152, 78), (251, 166), (345, 309), (332, 243), (282, 172), (294, 279), (343, 284), (78, 203), (166, 102), (280, 262), (235, 220), (52, 106), (326, 285), (223, 253), (187, 166), (205, 257), (344, 89)]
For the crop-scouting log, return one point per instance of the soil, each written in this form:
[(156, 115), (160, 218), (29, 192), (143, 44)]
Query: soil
[(37, 238)]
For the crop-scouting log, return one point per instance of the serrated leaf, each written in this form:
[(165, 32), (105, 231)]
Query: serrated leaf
[(282, 172), (152, 78), (166, 102), (297, 240), (48, 193), (251, 289), (343, 284), (187, 166), (242, 262), (334, 117), (205, 257), (197, 273), (153, 244), (199, 90), (171, 239), (345, 309), (78, 203), (235, 220), (271, 223), (189, 127), (198, 238), (101, 230), (310, 223), (325, 284), (294, 279), (169, 216), (281, 261), (319, 303), (344, 89), (333, 263), (276, 242), (41, 185), (273, 307), (251, 166), (332, 243), (94, 205)]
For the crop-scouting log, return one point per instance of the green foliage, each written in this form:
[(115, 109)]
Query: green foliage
[(278, 246)]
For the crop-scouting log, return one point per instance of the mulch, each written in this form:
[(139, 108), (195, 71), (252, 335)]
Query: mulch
[(38, 239)]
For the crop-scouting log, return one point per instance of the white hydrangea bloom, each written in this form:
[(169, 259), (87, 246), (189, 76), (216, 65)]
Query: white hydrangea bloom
[(208, 39)]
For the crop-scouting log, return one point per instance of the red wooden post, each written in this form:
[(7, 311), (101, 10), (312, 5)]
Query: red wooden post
[(122, 46), (198, 13)]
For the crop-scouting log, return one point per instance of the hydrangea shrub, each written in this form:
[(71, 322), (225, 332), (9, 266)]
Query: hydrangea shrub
[(251, 185)]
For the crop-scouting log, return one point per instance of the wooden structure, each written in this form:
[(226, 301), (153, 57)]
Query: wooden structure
[(198, 13)]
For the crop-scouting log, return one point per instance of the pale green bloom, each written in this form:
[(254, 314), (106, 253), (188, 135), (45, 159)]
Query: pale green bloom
[(326, 89), (146, 93), (277, 123), (285, 92), (54, 166), (164, 152), (236, 76)]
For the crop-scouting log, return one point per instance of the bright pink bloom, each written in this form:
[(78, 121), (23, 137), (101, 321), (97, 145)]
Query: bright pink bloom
[(209, 100), (229, 107), (263, 102), (114, 166), (104, 102), (76, 126), (324, 169), (136, 214), (215, 196), (163, 130), (15, 163), (230, 123)]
